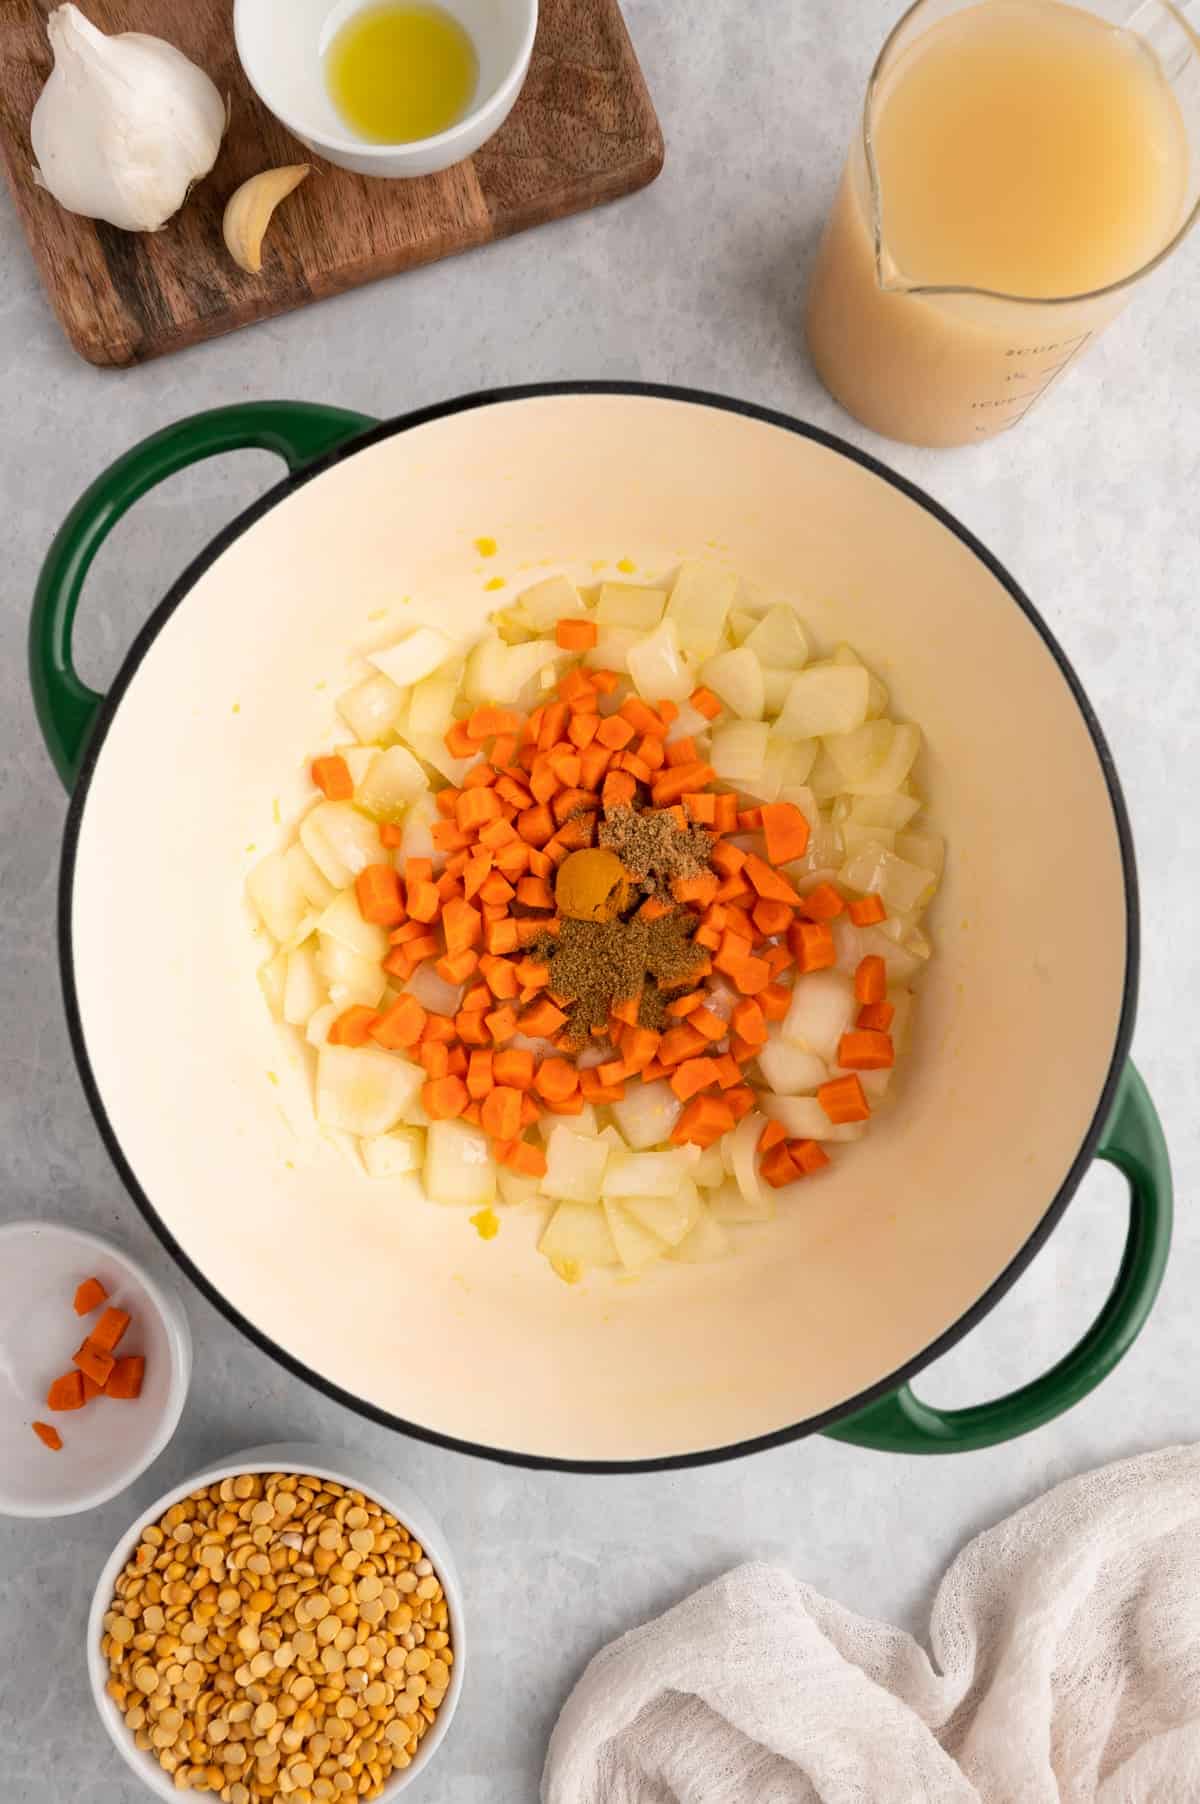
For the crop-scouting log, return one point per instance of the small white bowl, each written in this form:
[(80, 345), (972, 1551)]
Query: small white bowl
[(374, 1479), (282, 45), (107, 1444)]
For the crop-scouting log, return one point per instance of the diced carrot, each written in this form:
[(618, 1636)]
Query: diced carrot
[(705, 702), (870, 979), (749, 1023), (641, 716), (771, 1136), (771, 884), (531, 975), (785, 830), (775, 1000), (536, 825), (471, 1027), (752, 976), (554, 725), (876, 1015), (487, 720), (500, 976), (593, 765), (650, 753), (822, 903), (512, 860), (701, 888), (727, 859), (691, 1076), (702, 806), (555, 1079), (456, 967), (535, 892), (94, 1363), (743, 1050), (749, 820), (126, 1381), (811, 943), (91, 1390), (434, 1055), (619, 788), (594, 1090), (444, 801), (461, 925), (808, 1156), (542, 1020), (778, 1167), (482, 776), (576, 685), (582, 729), (528, 1160), (90, 1294), (456, 1064), (475, 808), (867, 911), (501, 1023), (448, 837), (332, 776), (778, 958), (670, 785), (615, 732), (726, 1070), (680, 1043), (639, 1046), (400, 1026), (725, 814), (740, 1100), (108, 1330), (496, 891), (564, 762), (501, 1115), (684, 1005), (48, 1436), (708, 1024), (497, 833), (613, 1071), (514, 1066), (458, 740), (503, 752), (863, 1049), (771, 917), (501, 936), (843, 1099), (423, 900), (704, 1120), (604, 681), (682, 751), (352, 1026), (444, 1098), (66, 1392)]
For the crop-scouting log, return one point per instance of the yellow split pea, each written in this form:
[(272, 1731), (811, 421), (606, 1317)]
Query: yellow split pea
[(277, 1635)]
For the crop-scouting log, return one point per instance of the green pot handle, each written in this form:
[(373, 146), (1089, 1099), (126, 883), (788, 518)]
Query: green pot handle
[(298, 431), (1133, 1141)]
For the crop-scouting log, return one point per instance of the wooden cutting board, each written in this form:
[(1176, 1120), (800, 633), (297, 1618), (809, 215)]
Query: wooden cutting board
[(583, 131)]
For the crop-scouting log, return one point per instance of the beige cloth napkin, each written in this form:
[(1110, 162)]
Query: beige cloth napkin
[(1065, 1668)]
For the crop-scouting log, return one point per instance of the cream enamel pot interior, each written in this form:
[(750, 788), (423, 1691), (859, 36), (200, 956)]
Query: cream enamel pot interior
[(1018, 1077)]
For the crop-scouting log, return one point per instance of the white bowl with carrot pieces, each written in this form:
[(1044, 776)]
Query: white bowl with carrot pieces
[(95, 1358)]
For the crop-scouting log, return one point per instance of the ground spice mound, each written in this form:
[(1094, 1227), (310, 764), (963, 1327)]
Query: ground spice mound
[(594, 965), (653, 847)]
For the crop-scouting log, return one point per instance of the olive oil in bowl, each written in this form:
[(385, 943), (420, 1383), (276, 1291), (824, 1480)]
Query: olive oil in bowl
[(400, 72)]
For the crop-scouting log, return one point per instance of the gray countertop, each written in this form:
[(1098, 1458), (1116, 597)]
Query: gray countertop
[(1091, 504)]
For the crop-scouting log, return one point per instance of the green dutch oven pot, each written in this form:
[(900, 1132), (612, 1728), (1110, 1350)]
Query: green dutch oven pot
[(819, 1321)]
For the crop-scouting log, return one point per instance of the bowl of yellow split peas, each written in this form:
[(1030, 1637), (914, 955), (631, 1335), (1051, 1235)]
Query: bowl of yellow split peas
[(279, 1625)]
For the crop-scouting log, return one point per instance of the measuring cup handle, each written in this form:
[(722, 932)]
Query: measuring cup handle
[(1133, 1141), (298, 431)]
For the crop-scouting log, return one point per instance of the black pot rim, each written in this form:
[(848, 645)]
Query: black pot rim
[(137, 652)]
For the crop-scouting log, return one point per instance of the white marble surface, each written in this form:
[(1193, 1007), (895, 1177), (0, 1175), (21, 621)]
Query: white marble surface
[(1092, 504)]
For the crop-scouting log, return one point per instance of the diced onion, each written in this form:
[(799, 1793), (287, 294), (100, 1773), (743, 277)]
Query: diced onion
[(876, 871), (828, 700), (645, 1173), (393, 782), (431, 704), (657, 667), (395, 1154), (304, 992), (433, 992), (822, 1009), (414, 657), (893, 811), (343, 922), (623, 604), (459, 1168), (670, 1217), (893, 768), (636, 1245), (803, 1118), (790, 1069), (340, 841), (779, 639), (707, 1241), (700, 599), (350, 976), (578, 1235), (736, 678), (555, 598), (574, 1166), (276, 894), (363, 1089), (272, 979), (372, 708), (738, 753)]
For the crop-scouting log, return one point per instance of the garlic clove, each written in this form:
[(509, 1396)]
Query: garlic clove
[(124, 125), (248, 213)]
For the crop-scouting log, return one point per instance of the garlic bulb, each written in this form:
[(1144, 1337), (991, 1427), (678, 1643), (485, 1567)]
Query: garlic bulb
[(124, 125)]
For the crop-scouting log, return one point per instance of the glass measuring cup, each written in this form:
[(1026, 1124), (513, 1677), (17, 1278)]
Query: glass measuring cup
[(936, 363)]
